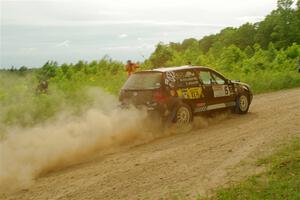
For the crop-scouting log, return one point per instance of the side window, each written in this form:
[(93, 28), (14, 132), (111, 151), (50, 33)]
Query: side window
[(205, 77), (219, 80)]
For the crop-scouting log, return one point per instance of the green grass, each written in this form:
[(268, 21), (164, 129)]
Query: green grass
[(280, 181), (20, 105)]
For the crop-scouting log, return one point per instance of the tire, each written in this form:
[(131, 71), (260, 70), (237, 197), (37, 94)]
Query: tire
[(183, 116), (177, 123), (242, 104)]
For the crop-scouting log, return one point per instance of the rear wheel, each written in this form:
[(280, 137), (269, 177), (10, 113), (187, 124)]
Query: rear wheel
[(242, 104), (183, 118), (183, 115)]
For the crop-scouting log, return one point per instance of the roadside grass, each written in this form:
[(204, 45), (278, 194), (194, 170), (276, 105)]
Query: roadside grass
[(280, 181)]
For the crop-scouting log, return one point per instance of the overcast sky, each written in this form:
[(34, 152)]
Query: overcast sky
[(33, 32)]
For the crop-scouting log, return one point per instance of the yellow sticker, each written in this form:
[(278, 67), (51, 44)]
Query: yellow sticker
[(190, 93)]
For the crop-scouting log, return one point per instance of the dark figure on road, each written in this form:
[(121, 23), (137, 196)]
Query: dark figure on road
[(42, 87)]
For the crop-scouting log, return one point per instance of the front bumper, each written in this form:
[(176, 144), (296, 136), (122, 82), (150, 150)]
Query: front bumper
[(250, 97)]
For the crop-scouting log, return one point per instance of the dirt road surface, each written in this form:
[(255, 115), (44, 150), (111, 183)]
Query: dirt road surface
[(189, 164)]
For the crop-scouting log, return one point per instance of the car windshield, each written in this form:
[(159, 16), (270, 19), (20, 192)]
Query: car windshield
[(140, 81)]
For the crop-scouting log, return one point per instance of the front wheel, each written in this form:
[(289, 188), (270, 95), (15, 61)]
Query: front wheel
[(242, 104)]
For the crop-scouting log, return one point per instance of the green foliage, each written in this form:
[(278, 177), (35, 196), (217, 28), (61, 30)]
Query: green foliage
[(231, 58), (281, 181), (161, 55), (48, 70), (21, 105), (23, 69), (281, 28)]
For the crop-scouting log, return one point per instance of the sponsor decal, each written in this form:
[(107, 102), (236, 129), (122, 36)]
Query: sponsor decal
[(187, 79), (170, 79), (190, 93), (171, 76), (181, 79)]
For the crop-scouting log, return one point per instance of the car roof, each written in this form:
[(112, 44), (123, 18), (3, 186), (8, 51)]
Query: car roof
[(185, 67), (167, 69)]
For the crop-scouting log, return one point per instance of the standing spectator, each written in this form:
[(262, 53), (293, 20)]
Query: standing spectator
[(131, 67)]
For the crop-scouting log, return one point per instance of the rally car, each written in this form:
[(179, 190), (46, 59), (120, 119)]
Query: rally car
[(179, 93)]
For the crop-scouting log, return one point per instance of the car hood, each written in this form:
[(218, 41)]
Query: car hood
[(242, 84)]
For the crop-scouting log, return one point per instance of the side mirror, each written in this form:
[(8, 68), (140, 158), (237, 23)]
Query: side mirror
[(228, 81)]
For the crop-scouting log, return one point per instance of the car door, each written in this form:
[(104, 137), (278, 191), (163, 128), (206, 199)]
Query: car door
[(222, 90), (206, 81), (188, 87)]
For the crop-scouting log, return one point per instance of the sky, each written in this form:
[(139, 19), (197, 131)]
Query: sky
[(35, 31)]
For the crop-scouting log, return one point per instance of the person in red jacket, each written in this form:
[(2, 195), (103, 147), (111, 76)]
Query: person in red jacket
[(131, 67)]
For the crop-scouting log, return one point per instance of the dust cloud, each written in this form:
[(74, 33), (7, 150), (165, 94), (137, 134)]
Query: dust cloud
[(204, 121), (25, 153)]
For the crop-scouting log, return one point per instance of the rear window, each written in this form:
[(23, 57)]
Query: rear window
[(140, 81)]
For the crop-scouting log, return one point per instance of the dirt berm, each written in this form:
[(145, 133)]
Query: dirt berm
[(185, 164)]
